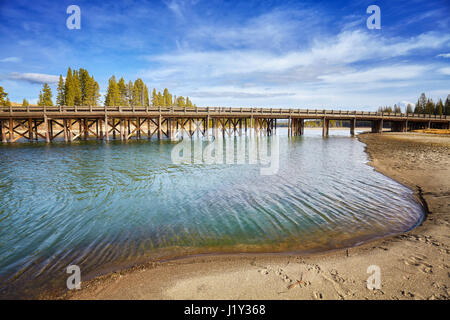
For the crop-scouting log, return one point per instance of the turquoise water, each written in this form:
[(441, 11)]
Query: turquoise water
[(104, 206)]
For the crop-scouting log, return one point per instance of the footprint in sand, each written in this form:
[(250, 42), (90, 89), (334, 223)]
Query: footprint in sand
[(417, 261)]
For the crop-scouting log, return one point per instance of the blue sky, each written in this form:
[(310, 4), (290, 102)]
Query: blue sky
[(296, 54)]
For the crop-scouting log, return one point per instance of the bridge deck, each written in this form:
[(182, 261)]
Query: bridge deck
[(200, 112)]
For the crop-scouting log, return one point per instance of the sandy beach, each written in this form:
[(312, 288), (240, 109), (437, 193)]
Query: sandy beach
[(414, 265)]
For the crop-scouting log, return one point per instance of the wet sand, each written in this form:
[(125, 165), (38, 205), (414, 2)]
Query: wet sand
[(414, 265)]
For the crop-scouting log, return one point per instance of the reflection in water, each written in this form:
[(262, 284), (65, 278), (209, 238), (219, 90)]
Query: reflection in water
[(108, 205)]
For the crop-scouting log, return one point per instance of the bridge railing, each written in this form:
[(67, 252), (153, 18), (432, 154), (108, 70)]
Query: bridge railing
[(211, 110)]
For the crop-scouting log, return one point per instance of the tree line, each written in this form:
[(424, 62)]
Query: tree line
[(136, 94), (424, 105), (80, 89)]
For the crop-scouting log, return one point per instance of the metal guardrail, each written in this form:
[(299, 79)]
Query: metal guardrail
[(212, 110)]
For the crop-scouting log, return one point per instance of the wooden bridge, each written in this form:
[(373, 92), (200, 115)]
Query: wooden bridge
[(70, 123)]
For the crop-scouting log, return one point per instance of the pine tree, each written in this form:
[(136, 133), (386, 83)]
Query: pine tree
[(439, 109), (60, 100), (78, 100), (138, 93), (447, 106), (166, 98), (130, 88), (69, 92), (409, 108), (423, 102), (3, 97), (429, 107), (160, 99), (418, 108), (181, 102), (188, 102), (155, 101), (123, 101), (45, 96), (25, 103), (113, 95), (146, 98)]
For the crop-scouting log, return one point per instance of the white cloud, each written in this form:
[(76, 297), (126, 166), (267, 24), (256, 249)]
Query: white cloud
[(445, 71), (315, 63), (39, 78), (11, 59), (444, 55), (390, 73)]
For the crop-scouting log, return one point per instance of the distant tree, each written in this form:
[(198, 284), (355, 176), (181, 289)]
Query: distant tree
[(397, 109), (439, 108), (418, 108), (60, 100), (146, 97), (167, 98), (3, 97), (69, 90), (447, 105), (130, 87), (25, 103), (385, 109), (45, 96), (409, 108), (160, 99), (422, 102), (181, 102), (155, 101), (188, 102), (112, 95), (78, 99), (123, 100), (429, 107)]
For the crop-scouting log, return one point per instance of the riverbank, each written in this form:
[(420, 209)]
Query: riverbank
[(413, 265)]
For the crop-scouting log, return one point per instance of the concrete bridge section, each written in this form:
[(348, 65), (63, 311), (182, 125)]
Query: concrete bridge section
[(72, 122)]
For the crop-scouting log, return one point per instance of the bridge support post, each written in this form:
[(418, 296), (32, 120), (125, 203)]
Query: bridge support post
[(106, 128), (289, 127), (170, 128), (377, 126), (122, 133), (47, 133), (159, 127), (325, 127), (66, 137), (3, 131), (405, 128), (429, 124), (11, 130), (207, 127), (100, 126), (352, 127), (138, 128)]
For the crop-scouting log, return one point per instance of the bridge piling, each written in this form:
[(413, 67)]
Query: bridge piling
[(325, 127), (352, 127)]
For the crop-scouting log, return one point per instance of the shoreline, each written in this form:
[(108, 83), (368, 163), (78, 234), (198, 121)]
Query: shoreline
[(337, 274)]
